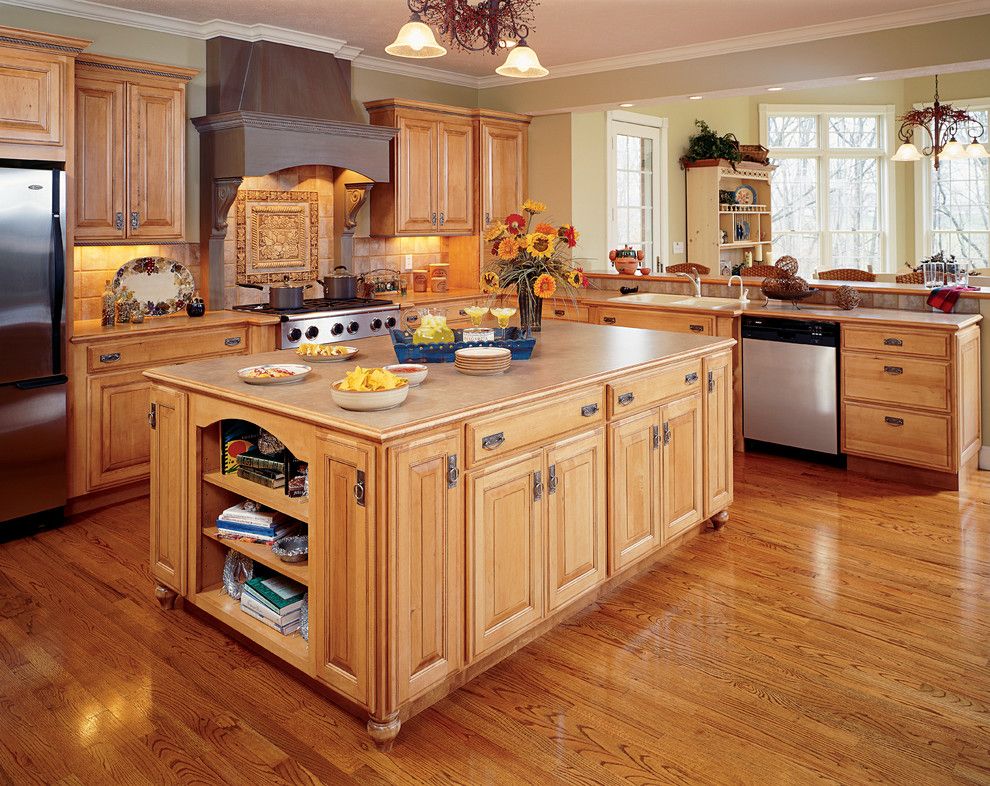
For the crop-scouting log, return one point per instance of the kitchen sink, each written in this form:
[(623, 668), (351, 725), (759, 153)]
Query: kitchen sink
[(658, 299)]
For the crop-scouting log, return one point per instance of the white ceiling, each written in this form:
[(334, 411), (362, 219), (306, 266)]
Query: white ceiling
[(565, 32)]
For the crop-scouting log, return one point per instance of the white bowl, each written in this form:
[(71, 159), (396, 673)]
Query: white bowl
[(370, 401), (414, 377)]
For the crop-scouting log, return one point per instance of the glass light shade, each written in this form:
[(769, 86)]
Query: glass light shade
[(415, 39), (907, 152), (953, 150), (522, 63), (975, 150)]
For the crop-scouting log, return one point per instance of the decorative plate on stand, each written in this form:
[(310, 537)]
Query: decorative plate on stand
[(159, 285)]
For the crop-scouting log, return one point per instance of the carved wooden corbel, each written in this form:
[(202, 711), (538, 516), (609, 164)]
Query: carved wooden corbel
[(357, 195), (224, 193)]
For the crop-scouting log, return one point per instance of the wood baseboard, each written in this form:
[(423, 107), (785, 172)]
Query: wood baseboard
[(100, 499), (901, 473)]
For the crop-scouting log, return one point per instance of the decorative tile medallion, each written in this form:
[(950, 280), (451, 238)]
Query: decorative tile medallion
[(277, 235)]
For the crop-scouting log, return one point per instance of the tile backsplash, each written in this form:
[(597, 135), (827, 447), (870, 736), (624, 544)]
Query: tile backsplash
[(376, 252)]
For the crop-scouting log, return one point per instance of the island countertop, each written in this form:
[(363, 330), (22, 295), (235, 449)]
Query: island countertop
[(567, 356)]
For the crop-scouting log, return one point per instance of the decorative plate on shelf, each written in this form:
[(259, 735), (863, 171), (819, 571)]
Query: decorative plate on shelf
[(159, 285), (745, 195)]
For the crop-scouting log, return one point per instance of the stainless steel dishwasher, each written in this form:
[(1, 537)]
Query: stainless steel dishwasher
[(790, 383)]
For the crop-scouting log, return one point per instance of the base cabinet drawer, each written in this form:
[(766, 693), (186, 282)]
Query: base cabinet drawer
[(921, 343), (159, 350), (897, 434), (656, 320), (569, 311), (895, 379), (648, 389)]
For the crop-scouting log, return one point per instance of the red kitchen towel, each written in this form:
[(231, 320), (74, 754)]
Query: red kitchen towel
[(944, 298)]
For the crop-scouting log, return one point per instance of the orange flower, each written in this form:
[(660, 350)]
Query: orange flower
[(508, 248), (544, 286), (545, 229), (515, 224), (569, 234)]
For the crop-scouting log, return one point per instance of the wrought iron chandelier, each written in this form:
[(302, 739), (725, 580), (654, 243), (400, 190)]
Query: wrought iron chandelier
[(473, 27), (941, 123)]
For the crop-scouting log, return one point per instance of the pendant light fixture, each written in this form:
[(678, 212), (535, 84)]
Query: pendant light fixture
[(941, 122), (489, 24)]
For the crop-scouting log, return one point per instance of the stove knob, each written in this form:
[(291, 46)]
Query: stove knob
[(337, 329), (312, 331), (376, 324), (353, 327), (295, 334), (390, 323)]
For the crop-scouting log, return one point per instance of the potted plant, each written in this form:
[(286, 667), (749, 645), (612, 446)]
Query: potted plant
[(707, 145), (534, 259)]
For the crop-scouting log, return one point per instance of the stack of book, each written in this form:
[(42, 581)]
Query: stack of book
[(260, 526), (275, 601), (269, 471)]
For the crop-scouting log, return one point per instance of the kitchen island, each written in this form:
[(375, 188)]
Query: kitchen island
[(448, 532)]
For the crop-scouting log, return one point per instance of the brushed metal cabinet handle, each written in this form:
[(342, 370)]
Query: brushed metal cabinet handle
[(453, 473), (433, 219), (493, 441), (895, 370), (893, 421), (118, 221), (626, 398), (711, 381), (893, 342), (135, 220), (656, 437), (690, 379), (359, 489), (441, 219), (697, 328), (233, 341), (588, 410), (462, 313), (110, 357), (488, 218), (666, 433), (558, 312), (153, 415), (537, 486), (552, 479), (608, 320)]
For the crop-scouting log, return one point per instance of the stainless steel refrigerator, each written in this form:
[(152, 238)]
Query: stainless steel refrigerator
[(32, 341)]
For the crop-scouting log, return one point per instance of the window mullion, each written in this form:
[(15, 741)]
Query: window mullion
[(824, 238)]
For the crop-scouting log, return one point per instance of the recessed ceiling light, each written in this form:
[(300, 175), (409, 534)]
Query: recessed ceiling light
[(865, 78), (774, 89), (626, 106), (695, 98)]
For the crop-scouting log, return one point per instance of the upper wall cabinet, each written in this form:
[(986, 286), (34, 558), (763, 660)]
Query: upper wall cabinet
[(35, 94), (450, 167), (130, 150)]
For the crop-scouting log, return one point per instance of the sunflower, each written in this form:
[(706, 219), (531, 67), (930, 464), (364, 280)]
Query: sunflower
[(539, 245), (495, 231), (569, 234), (489, 281), (533, 207), (574, 278), (508, 248), (544, 286), (545, 228), (515, 224)]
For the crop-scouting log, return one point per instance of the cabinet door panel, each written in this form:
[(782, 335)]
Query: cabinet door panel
[(169, 509), (718, 433), (119, 437), (455, 187), (417, 176), (503, 169), (343, 544), (575, 517), (634, 515), (155, 162), (682, 465), (32, 102), (428, 532), (506, 552), (99, 159)]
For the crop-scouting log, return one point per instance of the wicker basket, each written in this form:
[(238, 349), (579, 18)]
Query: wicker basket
[(793, 288), (757, 154)]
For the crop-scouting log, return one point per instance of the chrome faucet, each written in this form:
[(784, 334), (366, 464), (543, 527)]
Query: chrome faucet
[(743, 293), (695, 279)]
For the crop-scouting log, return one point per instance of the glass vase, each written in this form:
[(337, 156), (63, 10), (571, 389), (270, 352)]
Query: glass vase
[(530, 312)]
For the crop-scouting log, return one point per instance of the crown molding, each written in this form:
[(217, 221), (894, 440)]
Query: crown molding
[(407, 67), (98, 12)]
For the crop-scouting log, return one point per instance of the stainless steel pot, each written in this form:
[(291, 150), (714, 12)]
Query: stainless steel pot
[(283, 295), (340, 286)]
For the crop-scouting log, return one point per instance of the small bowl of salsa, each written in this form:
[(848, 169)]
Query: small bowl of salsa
[(414, 372)]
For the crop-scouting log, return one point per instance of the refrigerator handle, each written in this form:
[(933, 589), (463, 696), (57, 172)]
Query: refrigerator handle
[(56, 273), (43, 382)]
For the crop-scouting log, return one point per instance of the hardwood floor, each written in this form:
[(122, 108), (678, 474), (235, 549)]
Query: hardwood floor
[(837, 630)]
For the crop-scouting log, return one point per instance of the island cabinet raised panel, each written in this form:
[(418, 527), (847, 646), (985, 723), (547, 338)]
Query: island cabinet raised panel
[(427, 562), (634, 484), (718, 429), (681, 492), (343, 552), (503, 168), (576, 517), (167, 418), (506, 552), (119, 440), (100, 172)]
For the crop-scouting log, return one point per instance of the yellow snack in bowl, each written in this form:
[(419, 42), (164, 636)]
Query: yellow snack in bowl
[(368, 380)]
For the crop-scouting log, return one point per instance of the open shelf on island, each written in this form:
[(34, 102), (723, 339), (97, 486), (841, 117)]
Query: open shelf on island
[(262, 553), (292, 648), (296, 507)]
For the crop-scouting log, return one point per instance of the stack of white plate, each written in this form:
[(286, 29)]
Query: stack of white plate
[(482, 361)]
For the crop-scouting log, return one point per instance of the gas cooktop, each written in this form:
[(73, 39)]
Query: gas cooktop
[(318, 305), (323, 320)]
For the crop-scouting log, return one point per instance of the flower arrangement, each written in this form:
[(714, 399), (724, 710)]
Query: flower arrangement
[(533, 259)]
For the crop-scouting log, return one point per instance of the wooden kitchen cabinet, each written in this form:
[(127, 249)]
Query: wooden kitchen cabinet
[(119, 440), (416, 170), (634, 485), (455, 179), (682, 478), (36, 73), (718, 429), (130, 148), (166, 414), (506, 553), (342, 615), (655, 320), (503, 167), (427, 528)]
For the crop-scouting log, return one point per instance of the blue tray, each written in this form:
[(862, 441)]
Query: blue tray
[(407, 352)]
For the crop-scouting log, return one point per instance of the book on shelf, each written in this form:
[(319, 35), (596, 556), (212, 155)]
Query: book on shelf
[(242, 514), (285, 630), (251, 603), (262, 534), (276, 592), (262, 477), (236, 437), (255, 459)]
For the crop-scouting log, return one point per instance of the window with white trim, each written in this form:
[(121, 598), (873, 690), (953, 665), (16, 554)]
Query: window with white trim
[(832, 193), (637, 160), (955, 200)]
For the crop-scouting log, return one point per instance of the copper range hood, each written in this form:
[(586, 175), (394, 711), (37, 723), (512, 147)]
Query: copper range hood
[(270, 107)]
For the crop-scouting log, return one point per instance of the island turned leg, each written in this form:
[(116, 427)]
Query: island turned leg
[(384, 732), (166, 597), (720, 519)]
